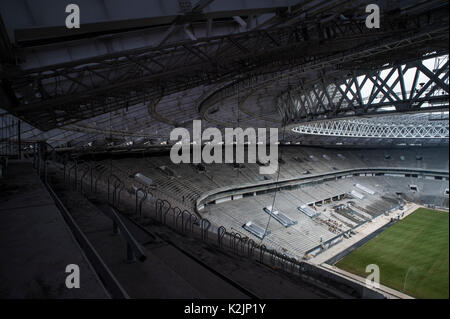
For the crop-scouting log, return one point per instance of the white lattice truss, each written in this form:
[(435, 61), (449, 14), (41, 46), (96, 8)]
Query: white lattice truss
[(409, 87), (405, 126)]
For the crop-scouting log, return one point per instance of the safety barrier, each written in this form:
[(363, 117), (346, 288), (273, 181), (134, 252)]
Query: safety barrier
[(141, 201), (134, 250)]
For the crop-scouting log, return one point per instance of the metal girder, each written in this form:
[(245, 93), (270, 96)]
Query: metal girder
[(119, 17), (385, 91), (92, 87), (336, 53), (417, 126), (62, 94)]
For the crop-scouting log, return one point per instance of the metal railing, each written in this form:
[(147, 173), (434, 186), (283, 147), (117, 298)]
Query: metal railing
[(108, 279), (134, 250)]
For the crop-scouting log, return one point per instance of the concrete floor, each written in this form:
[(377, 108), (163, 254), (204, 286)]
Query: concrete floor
[(36, 244)]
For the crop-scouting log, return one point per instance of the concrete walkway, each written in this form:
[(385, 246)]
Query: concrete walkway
[(36, 243)]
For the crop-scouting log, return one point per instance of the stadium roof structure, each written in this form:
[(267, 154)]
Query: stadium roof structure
[(408, 126), (137, 69), (420, 129), (414, 86)]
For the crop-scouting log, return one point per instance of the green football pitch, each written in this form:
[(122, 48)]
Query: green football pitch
[(412, 255)]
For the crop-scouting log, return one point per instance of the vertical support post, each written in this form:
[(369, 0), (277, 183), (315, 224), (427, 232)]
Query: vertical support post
[(41, 155), (130, 254), (19, 141)]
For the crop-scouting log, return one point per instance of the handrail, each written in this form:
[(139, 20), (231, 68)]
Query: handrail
[(162, 208), (118, 186), (205, 225), (108, 279), (134, 250), (143, 198), (221, 231)]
